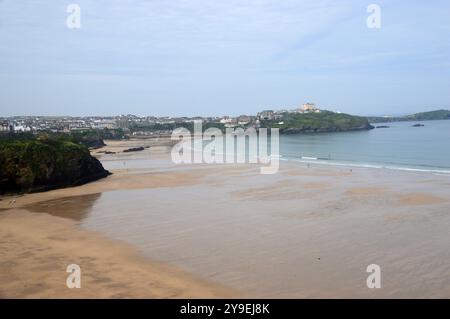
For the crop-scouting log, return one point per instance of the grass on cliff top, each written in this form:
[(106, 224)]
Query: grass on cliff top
[(23, 143), (322, 120), (28, 163)]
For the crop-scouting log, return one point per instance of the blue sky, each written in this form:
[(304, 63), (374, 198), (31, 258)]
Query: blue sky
[(197, 57)]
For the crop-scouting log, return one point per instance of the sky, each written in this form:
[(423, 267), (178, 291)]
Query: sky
[(214, 58)]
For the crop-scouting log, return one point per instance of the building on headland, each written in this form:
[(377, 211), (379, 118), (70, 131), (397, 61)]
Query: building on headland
[(274, 115), (309, 107)]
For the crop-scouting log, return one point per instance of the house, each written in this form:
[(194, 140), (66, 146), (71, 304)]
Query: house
[(226, 120), (22, 128), (266, 115), (243, 119), (5, 127)]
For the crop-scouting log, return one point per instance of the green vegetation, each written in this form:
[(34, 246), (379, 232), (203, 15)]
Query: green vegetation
[(325, 121), (90, 138), (36, 164), (100, 134), (424, 116)]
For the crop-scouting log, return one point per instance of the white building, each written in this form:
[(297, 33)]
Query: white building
[(4, 127), (226, 120), (21, 128)]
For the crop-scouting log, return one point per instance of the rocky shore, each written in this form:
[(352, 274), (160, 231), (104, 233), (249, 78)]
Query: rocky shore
[(331, 129)]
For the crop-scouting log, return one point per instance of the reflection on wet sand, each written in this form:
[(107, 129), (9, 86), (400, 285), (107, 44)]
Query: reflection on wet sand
[(304, 232), (35, 250), (283, 235), (76, 208)]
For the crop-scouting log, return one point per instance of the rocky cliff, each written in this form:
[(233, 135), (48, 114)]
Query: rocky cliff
[(38, 165)]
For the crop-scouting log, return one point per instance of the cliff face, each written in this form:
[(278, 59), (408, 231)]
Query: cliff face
[(38, 165)]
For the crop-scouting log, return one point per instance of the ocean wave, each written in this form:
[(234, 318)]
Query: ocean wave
[(313, 160)]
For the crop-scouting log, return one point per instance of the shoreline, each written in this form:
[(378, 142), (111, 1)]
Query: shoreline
[(331, 163), (341, 190)]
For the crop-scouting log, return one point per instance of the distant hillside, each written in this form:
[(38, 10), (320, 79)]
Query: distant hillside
[(28, 165), (325, 121), (424, 116)]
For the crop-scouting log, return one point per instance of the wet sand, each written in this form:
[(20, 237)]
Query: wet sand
[(304, 232), (35, 250)]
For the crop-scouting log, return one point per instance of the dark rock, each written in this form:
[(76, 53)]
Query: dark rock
[(90, 141), (106, 152), (35, 165), (331, 129), (134, 149)]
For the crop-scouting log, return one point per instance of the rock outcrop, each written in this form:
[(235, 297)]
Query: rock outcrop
[(39, 165)]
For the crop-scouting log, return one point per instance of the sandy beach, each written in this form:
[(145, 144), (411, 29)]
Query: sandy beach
[(146, 232), (37, 248)]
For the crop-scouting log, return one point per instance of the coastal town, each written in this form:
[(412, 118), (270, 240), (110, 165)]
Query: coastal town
[(138, 125)]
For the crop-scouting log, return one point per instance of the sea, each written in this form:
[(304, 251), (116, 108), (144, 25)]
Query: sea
[(401, 146)]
